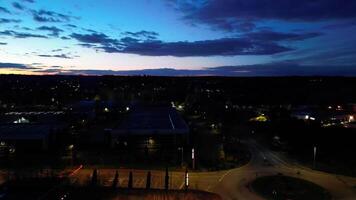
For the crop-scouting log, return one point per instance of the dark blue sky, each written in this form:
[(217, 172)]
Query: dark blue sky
[(178, 37)]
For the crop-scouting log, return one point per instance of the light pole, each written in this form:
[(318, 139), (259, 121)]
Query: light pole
[(186, 179), (193, 158), (314, 156), (182, 155)]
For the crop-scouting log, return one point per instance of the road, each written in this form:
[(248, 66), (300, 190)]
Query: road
[(231, 184), (234, 184)]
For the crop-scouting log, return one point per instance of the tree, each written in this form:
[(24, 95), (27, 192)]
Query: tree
[(130, 181), (116, 179), (148, 181), (166, 180)]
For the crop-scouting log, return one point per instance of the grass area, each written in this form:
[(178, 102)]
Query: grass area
[(49, 188), (236, 155), (284, 187), (105, 193)]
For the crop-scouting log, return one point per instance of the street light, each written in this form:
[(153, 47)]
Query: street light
[(186, 179), (193, 158), (314, 157), (182, 155)]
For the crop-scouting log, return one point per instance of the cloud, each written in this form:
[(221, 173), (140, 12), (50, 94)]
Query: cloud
[(280, 36), (228, 14), (344, 55), (340, 25), (15, 66), (275, 69), (286, 69), (56, 50), (270, 69), (4, 10), (71, 26), (50, 16), (28, 1), (65, 38), (54, 30), (96, 38), (18, 6), (3, 43), (87, 45), (90, 30), (218, 47), (245, 26), (257, 43), (16, 34), (4, 21), (57, 56), (23, 28), (150, 35)]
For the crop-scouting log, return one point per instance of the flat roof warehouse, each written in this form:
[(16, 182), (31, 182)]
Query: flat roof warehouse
[(152, 121)]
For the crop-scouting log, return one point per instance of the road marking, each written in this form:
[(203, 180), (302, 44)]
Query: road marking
[(170, 119), (181, 186), (223, 176)]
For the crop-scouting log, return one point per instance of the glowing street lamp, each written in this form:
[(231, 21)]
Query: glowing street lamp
[(186, 179), (193, 158)]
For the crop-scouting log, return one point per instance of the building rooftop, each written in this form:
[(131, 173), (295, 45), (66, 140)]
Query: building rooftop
[(26, 131), (153, 120)]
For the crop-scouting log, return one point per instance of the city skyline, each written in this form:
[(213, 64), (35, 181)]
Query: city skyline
[(178, 38)]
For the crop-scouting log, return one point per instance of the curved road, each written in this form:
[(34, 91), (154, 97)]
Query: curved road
[(232, 184), (235, 185)]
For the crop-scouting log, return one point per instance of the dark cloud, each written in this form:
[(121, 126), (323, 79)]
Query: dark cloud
[(90, 30), (129, 40), (56, 50), (283, 68), (65, 38), (23, 28), (34, 64), (18, 6), (340, 25), (4, 21), (256, 43), (15, 66), (95, 38), (4, 10), (16, 34), (87, 45), (150, 35), (344, 55), (228, 14), (242, 26), (270, 69), (50, 16), (57, 56), (28, 1), (280, 36), (3, 43), (71, 26), (286, 69), (54, 30), (219, 47)]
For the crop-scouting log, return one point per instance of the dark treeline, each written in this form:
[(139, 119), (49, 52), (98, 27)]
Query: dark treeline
[(30, 90)]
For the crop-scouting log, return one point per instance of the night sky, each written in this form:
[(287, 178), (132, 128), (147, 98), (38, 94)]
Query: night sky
[(178, 37)]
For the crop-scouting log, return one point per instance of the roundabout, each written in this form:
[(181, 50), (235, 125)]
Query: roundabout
[(284, 187)]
